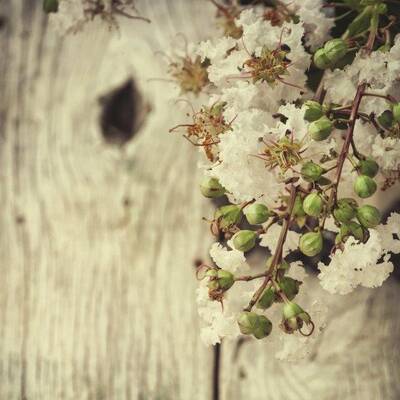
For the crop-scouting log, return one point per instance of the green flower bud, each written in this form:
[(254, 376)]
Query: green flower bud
[(369, 216), (294, 317), (381, 8), (364, 186), (263, 328), (247, 321), (228, 215), (320, 129), (225, 279), (313, 111), (311, 243), (321, 60), (345, 210), (311, 172), (289, 286), (386, 119), (244, 240), (257, 213), (313, 204), (361, 22), (335, 49), (219, 282), (396, 112), (368, 167), (267, 299), (251, 323), (356, 230), (50, 6), (210, 187)]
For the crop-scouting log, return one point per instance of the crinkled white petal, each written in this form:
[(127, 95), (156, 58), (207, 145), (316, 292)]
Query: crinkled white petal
[(233, 260), (380, 70), (239, 171), (316, 23), (356, 265), (271, 237)]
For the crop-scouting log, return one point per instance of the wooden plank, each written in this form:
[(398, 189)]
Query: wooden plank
[(89, 305), (97, 297)]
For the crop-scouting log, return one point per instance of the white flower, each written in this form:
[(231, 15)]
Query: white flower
[(239, 170), (381, 70), (390, 233), (215, 49), (316, 23), (233, 260), (271, 237), (364, 264), (220, 322), (224, 70)]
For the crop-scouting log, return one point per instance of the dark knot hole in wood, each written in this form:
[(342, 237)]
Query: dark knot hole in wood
[(123, 113)]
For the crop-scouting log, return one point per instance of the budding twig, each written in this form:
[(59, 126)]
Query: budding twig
[(278, 251)]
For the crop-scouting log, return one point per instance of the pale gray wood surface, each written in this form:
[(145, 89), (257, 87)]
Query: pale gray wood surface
[(97, 299)]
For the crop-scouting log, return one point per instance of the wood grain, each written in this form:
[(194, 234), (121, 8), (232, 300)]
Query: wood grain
[(97, 297)]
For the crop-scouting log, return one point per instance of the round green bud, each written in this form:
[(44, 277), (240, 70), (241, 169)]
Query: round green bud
[(368, 167), (293, 317), (381, 8), (364, 186), (313, 204), (321, 60), (335, 49), (267, 299), (263, 328), (354, 229), (290, 287), (244, 240), (311, 243), (211, 188), (345, 210), (313, 111), (225, 279), (251, 323), (257, 213), (396, 112), (228, 215), (386, 119), (311, 172), (247, 322), (291, 310), (50, 6), (369, 216), (320, 129)]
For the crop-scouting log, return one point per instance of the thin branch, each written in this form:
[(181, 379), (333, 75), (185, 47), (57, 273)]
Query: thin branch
[(278, 251)]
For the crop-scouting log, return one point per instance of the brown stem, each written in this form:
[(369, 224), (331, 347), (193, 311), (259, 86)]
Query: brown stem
[(278, 251), (247, 278), (389, 98), (345, 148)]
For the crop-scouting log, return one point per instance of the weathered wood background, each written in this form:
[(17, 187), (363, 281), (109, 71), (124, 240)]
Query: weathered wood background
[(97, 246)]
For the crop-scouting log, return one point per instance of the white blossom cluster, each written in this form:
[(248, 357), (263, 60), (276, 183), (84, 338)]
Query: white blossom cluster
[(381, 70), (261, 112)]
